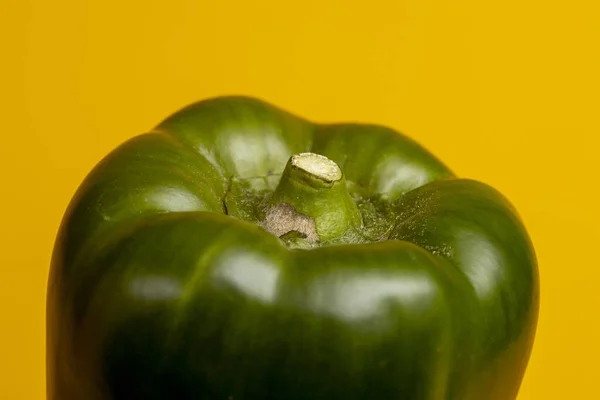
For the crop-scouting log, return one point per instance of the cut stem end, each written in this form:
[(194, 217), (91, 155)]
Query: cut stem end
[(312, 199)]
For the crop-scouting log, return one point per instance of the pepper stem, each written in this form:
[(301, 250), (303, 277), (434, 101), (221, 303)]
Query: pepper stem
[(312, 200)]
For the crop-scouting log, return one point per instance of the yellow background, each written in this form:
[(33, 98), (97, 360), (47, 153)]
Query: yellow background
[(507, 92)]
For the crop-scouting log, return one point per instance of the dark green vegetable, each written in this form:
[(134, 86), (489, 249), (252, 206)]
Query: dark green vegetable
[(240, 252)]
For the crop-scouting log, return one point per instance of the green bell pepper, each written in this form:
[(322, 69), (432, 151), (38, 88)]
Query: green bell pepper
[(238, 251)]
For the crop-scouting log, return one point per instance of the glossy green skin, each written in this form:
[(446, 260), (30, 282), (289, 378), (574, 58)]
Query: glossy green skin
[(156, 293)]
